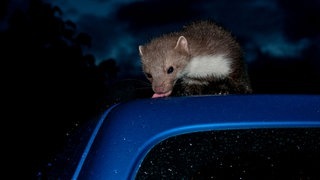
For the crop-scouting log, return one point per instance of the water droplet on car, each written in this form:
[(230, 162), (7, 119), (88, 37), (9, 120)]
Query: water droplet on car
[(116, 171)]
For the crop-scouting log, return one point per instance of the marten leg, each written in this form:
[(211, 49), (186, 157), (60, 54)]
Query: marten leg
[(182, 88)]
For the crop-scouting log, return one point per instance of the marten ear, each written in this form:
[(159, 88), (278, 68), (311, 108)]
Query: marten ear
[(182, 44), (140, 50)]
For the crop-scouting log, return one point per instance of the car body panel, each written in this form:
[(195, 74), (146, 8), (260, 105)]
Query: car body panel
[(127, 131)]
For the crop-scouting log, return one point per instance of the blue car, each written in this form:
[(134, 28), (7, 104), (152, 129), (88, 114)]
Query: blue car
[(206, 137)]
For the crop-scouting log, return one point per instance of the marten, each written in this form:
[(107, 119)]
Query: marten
[(203, 58)]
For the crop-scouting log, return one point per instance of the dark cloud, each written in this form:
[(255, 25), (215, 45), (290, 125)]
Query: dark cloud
[(302, 18), (274, 29), (267, 27), (111, 39), (103, 30), (155, 13)]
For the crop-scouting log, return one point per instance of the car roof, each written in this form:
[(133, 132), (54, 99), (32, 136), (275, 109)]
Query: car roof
[(127, 131)]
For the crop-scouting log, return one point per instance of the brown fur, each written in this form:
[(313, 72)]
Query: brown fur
[(202, 38)]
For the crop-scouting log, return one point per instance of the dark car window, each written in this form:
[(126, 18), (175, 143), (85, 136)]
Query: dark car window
[(292, 153)]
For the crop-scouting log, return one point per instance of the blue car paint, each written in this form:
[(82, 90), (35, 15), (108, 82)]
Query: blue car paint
[(127, 131)]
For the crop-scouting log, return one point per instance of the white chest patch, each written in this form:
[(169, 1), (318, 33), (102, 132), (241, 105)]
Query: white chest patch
[(203, 66)]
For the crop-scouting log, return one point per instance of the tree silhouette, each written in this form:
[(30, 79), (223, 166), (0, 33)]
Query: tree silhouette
[(53, 85)]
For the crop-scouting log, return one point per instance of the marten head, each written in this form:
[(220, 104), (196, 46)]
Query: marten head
[(163, 61)]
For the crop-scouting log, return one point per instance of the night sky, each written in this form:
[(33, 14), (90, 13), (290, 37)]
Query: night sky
[(278, 29), (65, 61)]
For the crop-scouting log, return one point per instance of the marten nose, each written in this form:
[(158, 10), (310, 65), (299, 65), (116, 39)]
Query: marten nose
[(159, 89)]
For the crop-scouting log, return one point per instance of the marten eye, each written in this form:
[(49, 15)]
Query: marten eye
[(148, 75), (170, 70)]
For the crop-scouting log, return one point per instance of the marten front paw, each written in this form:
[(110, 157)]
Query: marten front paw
[(222, 93)]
